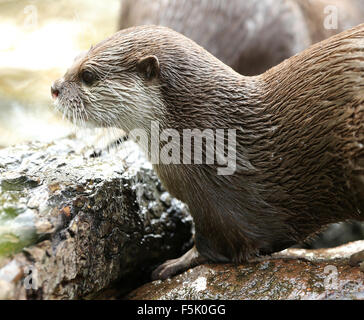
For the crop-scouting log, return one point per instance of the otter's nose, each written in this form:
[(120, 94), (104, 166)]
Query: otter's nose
[(55, 89), (54, 92)]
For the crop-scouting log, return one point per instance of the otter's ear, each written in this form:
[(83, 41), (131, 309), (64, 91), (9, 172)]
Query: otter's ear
[(149, 67)]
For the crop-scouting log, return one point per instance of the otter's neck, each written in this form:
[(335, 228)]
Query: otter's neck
[(227, 102)]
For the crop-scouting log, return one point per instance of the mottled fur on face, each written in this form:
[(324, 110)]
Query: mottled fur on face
[(115, 93)]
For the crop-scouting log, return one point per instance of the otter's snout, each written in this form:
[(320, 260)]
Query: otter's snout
[(56, 89)]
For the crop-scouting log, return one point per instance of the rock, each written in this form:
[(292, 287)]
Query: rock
[(72, 226), (322, 274)]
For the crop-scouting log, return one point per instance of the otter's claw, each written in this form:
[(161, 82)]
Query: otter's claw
[(166, 270), (172, 267)]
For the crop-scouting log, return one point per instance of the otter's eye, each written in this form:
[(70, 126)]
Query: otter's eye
[(88, 77)]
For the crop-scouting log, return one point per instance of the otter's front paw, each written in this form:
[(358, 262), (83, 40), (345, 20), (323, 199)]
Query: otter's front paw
[(167, 270), (357, 259), (172, 267)]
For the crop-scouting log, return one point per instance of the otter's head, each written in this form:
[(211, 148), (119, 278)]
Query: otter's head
[(137, 76), (116, 83)]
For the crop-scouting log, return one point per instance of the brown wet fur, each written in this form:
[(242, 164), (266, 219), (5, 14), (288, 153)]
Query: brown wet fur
[(250, 36), (300, 137)]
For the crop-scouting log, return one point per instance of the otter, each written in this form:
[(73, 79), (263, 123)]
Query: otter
[(250, 36), (299, 134)]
